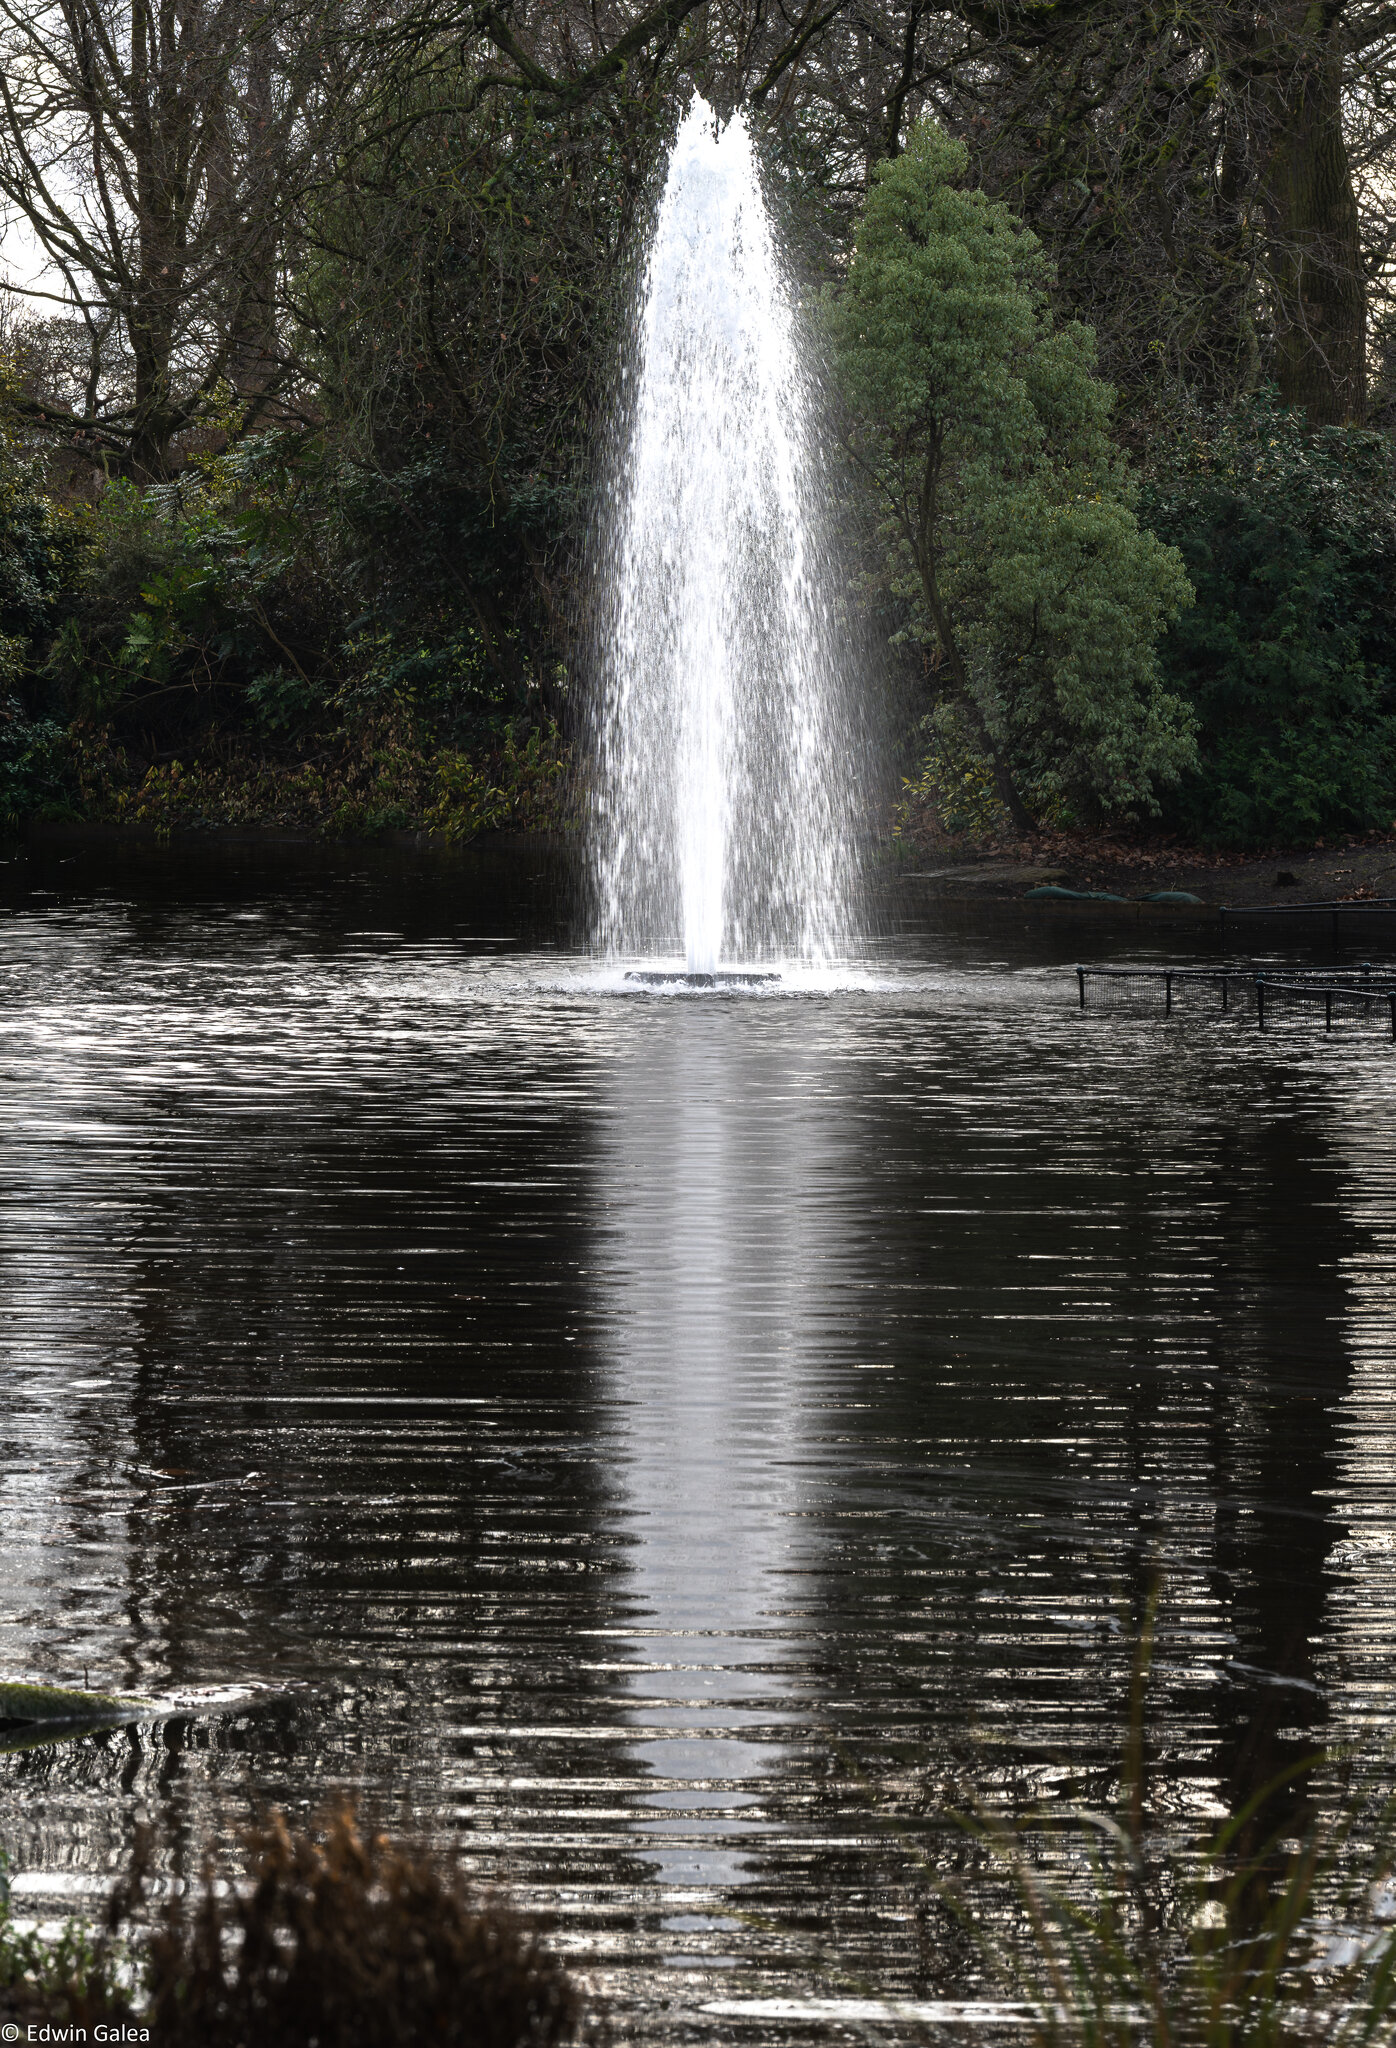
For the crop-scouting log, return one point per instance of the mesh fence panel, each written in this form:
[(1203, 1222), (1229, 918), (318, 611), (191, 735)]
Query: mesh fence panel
[(1346, 1005), (1191, 990)]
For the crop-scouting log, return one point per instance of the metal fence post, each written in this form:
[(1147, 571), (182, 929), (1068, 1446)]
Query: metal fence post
[(1361, 983)]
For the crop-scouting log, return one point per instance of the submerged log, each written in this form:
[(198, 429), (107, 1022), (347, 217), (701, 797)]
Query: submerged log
[(22, 1703)]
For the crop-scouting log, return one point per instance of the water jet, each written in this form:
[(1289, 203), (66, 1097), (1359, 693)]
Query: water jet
[(727, 754)]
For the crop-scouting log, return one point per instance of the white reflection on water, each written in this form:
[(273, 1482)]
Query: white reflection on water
[(1354, 1659), (719, 1258)]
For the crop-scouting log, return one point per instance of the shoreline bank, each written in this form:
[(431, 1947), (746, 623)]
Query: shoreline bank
[(1354, 870)]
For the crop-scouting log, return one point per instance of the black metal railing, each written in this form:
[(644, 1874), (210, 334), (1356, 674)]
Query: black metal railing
[(1120, 988), (1370, 998), (1364, 993)]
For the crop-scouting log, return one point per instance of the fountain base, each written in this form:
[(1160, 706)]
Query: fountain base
[(675, 977)]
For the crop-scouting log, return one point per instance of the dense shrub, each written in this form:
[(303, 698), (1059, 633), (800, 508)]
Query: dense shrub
[(342, 1939), (378, 776), (195, 658), (953, 795), (41, 552), (192, 596), (349, 1940), (1289, 654), (40, 549), (34, 765)]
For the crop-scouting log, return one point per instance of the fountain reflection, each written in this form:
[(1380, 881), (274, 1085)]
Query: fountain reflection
[(720, 1262), (1358, 1619)]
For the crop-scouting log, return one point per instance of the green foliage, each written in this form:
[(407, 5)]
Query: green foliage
[(279, 703), (1289, 656), (434, 662), (204, 668), (188, 589), (462, 292), (1009, 519), (75, 1980), (40, 557), (953, 791), (229, 600), (33, 765), (39, 552), (383, 775)]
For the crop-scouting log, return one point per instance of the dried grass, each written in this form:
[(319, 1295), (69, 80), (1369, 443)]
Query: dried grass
[(344, 1939)]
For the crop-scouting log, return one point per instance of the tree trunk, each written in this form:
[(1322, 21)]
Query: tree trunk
[(1004, 785), (152, 427), (1321, 300), (253, 355)]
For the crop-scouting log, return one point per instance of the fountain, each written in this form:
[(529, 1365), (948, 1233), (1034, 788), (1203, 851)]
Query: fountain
[(727, 751)]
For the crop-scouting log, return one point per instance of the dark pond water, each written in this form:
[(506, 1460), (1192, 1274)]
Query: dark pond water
[(671, 1447)]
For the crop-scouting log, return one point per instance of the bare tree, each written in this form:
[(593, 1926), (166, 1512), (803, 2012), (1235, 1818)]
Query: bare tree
[(152, 149), (1214, 181)]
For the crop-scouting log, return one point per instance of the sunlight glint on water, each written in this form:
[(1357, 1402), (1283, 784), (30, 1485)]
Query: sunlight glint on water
[(677, 1452), (725, 793)]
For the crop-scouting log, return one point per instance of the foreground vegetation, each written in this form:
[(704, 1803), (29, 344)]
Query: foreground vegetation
[(1104, 1929), (304, 420), (1243, 1938), (340, 1937)]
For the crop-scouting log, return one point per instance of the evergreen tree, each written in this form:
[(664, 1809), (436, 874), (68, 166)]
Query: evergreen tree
[(1009, 516)]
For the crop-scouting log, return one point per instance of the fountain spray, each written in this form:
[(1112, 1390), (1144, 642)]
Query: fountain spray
[(727, 760)]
